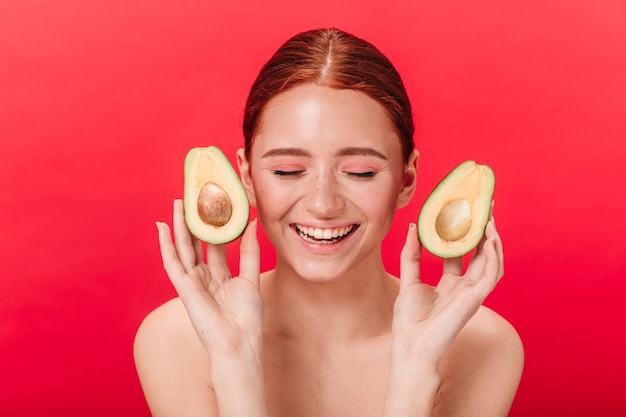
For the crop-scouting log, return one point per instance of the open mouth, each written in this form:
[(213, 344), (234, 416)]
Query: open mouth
[(324, 236)]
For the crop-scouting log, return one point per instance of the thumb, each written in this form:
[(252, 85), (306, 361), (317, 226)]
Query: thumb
[(410, 259), (250, 254)]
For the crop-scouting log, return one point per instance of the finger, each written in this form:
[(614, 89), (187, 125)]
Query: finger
[(498, 241), (410, 259), (218, 262), (190, 291), (250, 254), (478, 257), (453, 266), (492, 233), (171, 262), (486, 266), (475, 268), (489, 275), (197, 245), (182, 238)]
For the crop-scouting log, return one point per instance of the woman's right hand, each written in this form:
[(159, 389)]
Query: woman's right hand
[(226, 312)]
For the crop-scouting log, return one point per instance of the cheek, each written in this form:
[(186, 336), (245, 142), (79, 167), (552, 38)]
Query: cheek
[(269, 197), (384, 202), (390, 195)]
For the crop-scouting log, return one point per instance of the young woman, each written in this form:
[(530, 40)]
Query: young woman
[(328, 159)]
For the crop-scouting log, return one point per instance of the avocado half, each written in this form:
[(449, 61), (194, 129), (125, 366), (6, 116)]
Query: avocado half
[(216, 204), (453, 218)]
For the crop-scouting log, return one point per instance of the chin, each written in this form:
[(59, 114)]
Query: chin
[(315, 271)]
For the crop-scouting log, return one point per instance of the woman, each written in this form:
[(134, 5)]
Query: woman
[(328, 159)]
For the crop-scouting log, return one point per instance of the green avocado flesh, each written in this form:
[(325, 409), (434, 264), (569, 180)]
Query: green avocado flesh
[(216, 204), (453, 218)]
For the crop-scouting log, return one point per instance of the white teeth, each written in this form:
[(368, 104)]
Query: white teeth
[(323, 235)]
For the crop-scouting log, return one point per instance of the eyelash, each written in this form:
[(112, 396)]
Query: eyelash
[(359, 175), (362, 175), (287, 173)]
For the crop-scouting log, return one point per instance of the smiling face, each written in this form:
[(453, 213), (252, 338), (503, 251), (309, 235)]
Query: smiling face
[(326, 173)]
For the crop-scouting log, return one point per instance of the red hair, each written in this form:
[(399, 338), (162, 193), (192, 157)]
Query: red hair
[(332, 58)]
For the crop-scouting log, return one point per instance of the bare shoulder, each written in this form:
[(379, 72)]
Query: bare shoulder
[(171, 362), (488, 331), (167, 327), (482, 370)]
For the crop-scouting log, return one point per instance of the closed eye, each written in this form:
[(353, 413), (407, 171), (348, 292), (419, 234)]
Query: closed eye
[(282, 173), (367, 174)]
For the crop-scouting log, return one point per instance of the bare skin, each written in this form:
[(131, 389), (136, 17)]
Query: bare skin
[(328, 332)]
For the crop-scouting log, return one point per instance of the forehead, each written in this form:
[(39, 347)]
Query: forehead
[(311, 114)]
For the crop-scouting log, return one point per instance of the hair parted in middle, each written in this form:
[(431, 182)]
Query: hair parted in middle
[(333, 58)]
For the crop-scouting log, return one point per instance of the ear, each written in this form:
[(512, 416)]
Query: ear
[(409, 180), (244, 172)]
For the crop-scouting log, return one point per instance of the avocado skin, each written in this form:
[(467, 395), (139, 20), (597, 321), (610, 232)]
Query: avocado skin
[(209, 164), (467, 180)]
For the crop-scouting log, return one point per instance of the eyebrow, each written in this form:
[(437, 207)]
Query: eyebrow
[(351, 151), (286, 152), (361, 151)]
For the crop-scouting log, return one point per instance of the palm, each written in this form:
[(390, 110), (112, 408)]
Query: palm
[(428, 318), (226, 312), (240, 302)]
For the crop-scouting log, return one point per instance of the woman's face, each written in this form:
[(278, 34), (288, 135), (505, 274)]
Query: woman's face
[(326, 174)]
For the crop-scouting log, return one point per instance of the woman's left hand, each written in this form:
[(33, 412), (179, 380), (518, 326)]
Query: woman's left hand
[(427, 319)]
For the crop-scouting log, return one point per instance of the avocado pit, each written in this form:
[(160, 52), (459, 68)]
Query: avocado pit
[(454, 220), (214, 205)]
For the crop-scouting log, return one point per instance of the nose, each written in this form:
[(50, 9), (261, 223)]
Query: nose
[(324, 197)]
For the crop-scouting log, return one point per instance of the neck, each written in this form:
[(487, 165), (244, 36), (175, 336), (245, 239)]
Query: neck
[(358, 304)]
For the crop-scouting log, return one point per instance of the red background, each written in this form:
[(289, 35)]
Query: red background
[(100, 100)]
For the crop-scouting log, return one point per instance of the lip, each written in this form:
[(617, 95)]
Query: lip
[(323, 239)]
